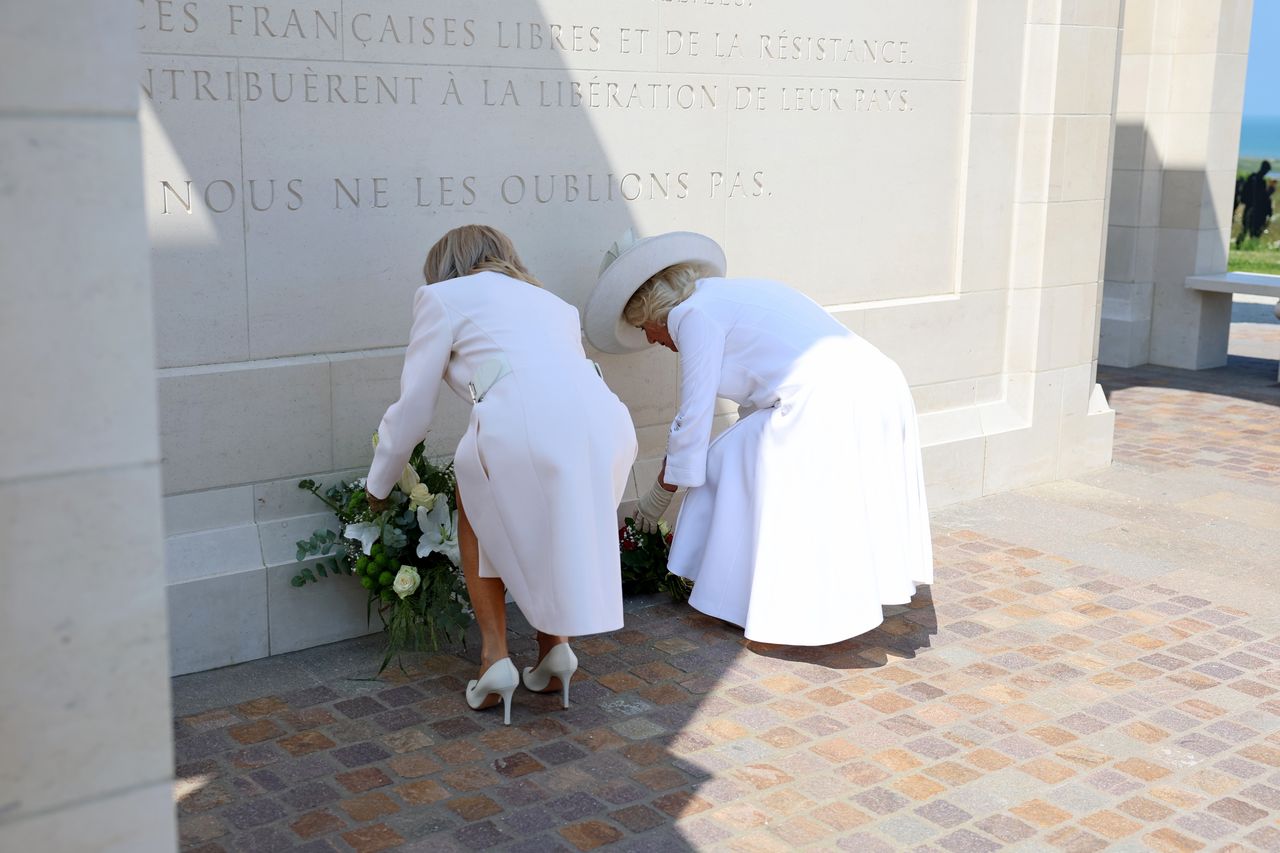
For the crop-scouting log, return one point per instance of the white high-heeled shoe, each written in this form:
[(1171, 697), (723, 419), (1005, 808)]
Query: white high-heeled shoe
[(559, 663), (500, 678)]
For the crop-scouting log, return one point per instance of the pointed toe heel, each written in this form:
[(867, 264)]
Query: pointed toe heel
[(559, 663), (501, 679)]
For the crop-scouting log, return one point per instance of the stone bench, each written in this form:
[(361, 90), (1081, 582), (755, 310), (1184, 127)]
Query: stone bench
[(1239, 282)]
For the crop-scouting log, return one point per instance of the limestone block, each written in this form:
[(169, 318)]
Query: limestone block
[(318, 613), (1023, 329), (1121, 251), (1132, 86), (62, 56), (930, 131), (1216, 204), (298, 29), (1228, 83), (969, 328), (1198, 27), (1224, 142), (1029, 245), (1035, 158), (84, 638), (1080, 163), (1066, 326), (1092, 13), (1139, 26), (953, 472), (1181, 198), (364, 385), (195, 192), (210, 438), (1189, 328), (1040, 75), (1211, 250), (208, 553), (929, 26), (1126, 198), (222, 619), (1087, 60), (276, 499), (81, 404), (552, 34), (998, 50), (1194, 81), (1235, 25), (961, 393), (647, 381), (1074, 255), (215, 508), (1184, 140), (1088, 424), (123, 823), (1133, 142), (1025, 456), (989, 194), (278, 539)]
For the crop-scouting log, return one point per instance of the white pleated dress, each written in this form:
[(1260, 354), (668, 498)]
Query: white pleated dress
[(547, 452), (808, 514)]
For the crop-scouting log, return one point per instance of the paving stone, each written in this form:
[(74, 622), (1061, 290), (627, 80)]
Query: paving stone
[(1033, 697)]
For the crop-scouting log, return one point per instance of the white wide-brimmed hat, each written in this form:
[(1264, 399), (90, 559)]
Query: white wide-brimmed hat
[(628, 264)]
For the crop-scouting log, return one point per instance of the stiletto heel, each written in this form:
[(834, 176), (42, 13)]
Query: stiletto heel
[(559, 663), (500, 678)]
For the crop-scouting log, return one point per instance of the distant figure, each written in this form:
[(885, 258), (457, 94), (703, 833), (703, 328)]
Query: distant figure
[(1256, 198)]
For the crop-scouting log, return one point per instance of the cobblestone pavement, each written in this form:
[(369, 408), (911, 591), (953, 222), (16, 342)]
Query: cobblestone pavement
[(1096, 667)]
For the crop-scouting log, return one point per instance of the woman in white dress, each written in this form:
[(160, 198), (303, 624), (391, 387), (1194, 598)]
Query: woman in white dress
[(543, 463), (808, 514)]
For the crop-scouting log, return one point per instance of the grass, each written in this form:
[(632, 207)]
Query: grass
[(1266, 261)]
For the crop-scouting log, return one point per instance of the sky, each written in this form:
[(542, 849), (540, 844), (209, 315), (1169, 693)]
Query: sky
[(1262, 86)]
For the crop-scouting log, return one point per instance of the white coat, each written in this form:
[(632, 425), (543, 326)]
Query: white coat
[(546, 455), (809, 513)]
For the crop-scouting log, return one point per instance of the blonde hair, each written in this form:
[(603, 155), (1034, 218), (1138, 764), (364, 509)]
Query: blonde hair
[(471, 249), (662, 292)]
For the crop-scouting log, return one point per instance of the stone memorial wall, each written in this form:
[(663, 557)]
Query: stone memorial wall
[(905, 164)]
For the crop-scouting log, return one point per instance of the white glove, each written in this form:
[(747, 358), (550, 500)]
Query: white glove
[(651, 507)]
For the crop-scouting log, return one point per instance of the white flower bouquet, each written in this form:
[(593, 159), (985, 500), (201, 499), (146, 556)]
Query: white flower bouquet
[(405, 557)]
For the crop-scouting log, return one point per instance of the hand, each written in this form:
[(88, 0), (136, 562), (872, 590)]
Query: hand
[(651, 507), (377, 505)]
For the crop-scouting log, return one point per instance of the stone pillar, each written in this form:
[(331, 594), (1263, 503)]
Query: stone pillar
[(1179, 102), (85, 755)]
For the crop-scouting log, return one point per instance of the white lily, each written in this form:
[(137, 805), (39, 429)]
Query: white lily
[(365, 531), (408, 479), (439, 532)]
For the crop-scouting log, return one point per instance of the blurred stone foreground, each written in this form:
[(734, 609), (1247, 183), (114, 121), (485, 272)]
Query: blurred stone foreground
[(1097, 666)]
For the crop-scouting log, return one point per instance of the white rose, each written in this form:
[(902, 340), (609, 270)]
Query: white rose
[(408, 479), (406, 582), (421, 496)]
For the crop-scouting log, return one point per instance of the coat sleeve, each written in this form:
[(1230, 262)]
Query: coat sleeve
[(406, 422), (701, 343)]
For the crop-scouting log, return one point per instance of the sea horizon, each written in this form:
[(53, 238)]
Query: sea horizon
[(1260, 137)]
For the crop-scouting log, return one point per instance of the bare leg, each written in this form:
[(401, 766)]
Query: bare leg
[(488, 597)]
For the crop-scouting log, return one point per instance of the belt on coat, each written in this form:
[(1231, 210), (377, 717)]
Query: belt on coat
[(491, 371)]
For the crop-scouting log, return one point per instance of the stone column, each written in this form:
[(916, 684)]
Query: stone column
[(1179, 102), (85, 743)]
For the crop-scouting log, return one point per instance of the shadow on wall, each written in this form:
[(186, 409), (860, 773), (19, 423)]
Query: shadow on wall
[(1166, 223)]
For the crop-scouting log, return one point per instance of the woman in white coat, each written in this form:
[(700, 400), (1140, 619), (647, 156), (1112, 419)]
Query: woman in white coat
[(808, 514), (543, 463)]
